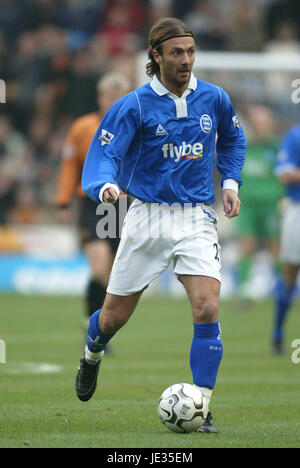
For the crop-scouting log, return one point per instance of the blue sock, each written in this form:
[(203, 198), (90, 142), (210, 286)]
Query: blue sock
[(206, 354), (97, 340), (283, 298)]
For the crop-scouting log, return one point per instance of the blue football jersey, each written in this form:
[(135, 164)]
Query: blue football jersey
[(160, 148), (289, 158)]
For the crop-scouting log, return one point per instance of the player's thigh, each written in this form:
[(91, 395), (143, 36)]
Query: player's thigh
[(100, 257), (117, 310), (199, 254), (203, 293), (197, 263)]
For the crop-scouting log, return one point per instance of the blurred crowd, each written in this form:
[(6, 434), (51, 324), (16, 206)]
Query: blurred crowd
[(52, 53)]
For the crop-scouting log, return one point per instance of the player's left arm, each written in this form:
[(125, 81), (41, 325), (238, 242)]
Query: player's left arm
[(287, 167), (231, 151)]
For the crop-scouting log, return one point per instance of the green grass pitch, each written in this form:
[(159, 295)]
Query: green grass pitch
[(256, 401)]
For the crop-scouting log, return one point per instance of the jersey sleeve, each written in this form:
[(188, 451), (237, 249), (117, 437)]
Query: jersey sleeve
[(288, 157), (231, 143), (70, 168), (110, 145)]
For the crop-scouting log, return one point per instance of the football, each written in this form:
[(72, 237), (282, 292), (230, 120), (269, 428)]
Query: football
[(182, 408)]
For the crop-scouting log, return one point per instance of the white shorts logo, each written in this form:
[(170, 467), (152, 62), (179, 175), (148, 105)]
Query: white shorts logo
[(206, 123)]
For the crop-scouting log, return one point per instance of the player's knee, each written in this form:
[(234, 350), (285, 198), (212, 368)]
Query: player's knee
[(205, 311)]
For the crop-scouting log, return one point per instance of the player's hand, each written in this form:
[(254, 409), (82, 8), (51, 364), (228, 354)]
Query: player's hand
[(231, 203), (110, 196)]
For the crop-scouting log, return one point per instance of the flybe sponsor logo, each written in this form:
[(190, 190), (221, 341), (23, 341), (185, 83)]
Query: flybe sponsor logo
[(184, 151)]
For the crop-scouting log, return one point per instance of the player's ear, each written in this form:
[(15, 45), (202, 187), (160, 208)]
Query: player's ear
[(156, 56)]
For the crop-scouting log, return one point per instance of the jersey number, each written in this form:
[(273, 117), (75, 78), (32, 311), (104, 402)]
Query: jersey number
[(217, 252)]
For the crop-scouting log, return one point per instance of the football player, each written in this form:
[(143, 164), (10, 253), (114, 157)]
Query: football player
[(159, 144)]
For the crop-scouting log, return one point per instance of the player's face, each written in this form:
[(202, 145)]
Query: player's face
[(108, 97), (176, 62)]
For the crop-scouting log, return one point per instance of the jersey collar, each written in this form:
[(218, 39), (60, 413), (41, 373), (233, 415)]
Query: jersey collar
[(160, 89)]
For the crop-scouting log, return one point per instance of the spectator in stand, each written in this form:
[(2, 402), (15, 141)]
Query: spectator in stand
[(285, 39), (13, 171), (26, 70), (80, 96), (245, 26), (122, 23), (160, 9), (205, 22), (81, 15), (180, 8), (278, 84), (281, 11), (12, 154), (14, 19), (25, 209)]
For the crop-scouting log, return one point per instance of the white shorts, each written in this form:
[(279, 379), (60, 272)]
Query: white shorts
[(155, 235), (290, 234)]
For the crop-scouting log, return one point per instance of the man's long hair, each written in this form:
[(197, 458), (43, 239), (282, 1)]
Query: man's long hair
[(162, 30)]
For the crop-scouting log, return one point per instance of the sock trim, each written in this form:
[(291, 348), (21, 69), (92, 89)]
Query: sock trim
[(93, 358)]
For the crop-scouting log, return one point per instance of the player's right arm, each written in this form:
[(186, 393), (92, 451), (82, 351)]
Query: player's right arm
[(109, 148)]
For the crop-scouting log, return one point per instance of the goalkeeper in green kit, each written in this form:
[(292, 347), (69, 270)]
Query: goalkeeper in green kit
[(258, 223)]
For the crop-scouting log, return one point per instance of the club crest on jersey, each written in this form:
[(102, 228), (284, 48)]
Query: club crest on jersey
[(205, 123), (105, 137)]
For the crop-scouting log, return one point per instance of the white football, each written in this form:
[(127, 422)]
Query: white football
[(182, 408)]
